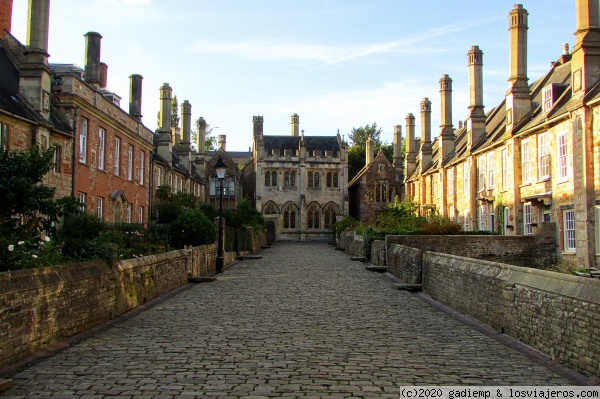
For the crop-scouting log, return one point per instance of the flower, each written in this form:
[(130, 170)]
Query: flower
[(47, 239), (21, 243), (34, 256), (11, 248)]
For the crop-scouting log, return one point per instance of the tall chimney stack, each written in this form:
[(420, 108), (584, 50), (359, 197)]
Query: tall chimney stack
[(295, 125), (518, 96), (410, 161), (184, 148), (5, 16), (103, 75), (370, 150), (585, 65), (257, 126), (135, 96), (476, 121), (201, 129), (426, 149), (35, 81), (163, 143), (446, 129), (92, 58), (398, 151), (223, 142)]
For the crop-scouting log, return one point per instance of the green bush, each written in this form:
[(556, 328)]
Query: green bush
[(346, 222), (438, 225), (192, 227)]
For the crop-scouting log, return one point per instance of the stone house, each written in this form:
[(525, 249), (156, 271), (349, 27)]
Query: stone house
[(300, 182), (28, 117), (376, 184), (533, 158)]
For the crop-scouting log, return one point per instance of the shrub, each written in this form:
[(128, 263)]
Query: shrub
[(438, 225), (192, 227), (346, 222)]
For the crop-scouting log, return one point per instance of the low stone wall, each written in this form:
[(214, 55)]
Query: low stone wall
[(555, 313), (354, 245), (41, 306), (378, 253), (537, 251), (405, 263)]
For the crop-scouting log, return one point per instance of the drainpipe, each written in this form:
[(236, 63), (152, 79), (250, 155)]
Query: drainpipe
[(75, 113)]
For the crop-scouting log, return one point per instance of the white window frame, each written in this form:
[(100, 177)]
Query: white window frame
[(129, 212), (101, 147), (439, 185), (527, 219), (490, 171), (481, 173), (467, 177), (117, 160), (142, 166), (130, 162), (491, 215), (547, 98), (482, 217), (569, 230), (158, 177), (562, 152), (466, 220), (543, 156), (450, 182), (451, 214), (526, 161), (140, 214), (82, 200), (505, 169), (100, 207), (83, 141)]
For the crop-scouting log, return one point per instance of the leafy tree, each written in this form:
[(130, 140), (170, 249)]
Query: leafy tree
[(174, 112), (28, 207), (358, 136), (192, 227)]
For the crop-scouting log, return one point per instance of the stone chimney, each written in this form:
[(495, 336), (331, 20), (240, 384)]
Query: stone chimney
[(92, 58), (295, 125), (201, 129), (370, 151), (410, 161), (398, 150), (103, 75), (223, 142), (35, 80), (135, 96), (518, 96), (476, 121), (5, 16), (163, 143), (585, 65), (257, 125), (446, 129), (426, 149), (184, 149)]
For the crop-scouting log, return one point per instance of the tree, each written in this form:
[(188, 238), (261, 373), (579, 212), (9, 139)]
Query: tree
[(358, 136), (174, 113), (210, 141)]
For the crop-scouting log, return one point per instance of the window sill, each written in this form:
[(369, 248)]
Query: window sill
[(571, 252)]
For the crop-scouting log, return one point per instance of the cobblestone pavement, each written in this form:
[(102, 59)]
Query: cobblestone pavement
[(304, 321)]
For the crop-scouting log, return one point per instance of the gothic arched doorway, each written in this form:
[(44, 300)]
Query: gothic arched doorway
[(270, 226)]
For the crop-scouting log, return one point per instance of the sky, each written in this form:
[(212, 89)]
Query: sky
[(338, 64)]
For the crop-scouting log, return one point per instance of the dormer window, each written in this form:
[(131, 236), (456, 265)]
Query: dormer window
[(547, 99), (550, 94)]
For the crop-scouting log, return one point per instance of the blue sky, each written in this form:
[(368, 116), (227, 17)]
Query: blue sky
[(337, 63)]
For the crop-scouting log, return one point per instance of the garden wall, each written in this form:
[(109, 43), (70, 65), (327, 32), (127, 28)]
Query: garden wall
[(555, 313), (41, 306), (405, 263), (537, 251)]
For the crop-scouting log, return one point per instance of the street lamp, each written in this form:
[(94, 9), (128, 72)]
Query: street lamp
[(220, 168)]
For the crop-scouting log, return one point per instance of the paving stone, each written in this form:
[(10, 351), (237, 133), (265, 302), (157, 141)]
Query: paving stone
[(303, 321)]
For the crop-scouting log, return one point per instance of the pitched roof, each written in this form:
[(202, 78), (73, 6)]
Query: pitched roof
[(327, 143)]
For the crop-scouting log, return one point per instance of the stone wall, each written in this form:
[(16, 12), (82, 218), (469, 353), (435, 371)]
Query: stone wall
[(405, 263), (538, 251), (557, 314), (378, 253), (41, 306)]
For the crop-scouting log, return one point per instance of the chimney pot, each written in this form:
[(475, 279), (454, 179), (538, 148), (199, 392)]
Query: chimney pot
[(135, 96), (103, 75), (92, 60)]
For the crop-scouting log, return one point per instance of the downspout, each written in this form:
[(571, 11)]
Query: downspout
[(75, 113), (150, 186)]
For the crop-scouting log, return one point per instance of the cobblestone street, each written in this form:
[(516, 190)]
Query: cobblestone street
[(303, 321)]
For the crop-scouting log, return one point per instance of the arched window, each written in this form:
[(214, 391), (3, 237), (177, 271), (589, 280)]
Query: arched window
[(292, 179), (313, 216), (329, 214), (273, 179), (384, 192), (232, 186), (267, 178), (213, 186), (336, 178), (329, 179), (289, 216), (310, 179), (316, 178), (270, 208), (286, 179)]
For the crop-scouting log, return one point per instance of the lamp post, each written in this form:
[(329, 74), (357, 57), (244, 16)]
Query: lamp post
[(220, 168)]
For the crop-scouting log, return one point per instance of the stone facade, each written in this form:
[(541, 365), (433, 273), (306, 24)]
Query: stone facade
[(526, 161), (301, 182)]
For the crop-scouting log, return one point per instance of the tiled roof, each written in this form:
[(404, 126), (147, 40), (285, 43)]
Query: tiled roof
[(327, 143)]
